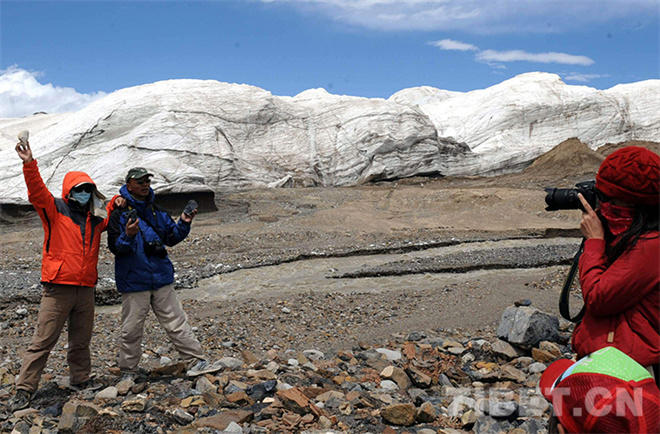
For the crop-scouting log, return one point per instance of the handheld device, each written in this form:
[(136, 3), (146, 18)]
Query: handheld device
[(190, 207), (131, 215)]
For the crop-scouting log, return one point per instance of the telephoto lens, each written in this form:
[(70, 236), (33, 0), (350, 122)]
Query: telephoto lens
[(567, 198)]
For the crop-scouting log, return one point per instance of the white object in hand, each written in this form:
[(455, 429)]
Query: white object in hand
[(23, 137)]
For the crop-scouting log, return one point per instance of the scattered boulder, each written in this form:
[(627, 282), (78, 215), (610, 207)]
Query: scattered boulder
[(221, 421), (505, 350), (527, 326), (399, 414), (427, 413)]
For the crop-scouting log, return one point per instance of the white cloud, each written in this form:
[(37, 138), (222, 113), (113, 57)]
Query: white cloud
[(449, 44), (520, 55), (477, 16), (21, 94), (583, 78)]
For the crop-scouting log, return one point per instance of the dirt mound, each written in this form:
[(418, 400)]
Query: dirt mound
[(608, 148), (570, 158)]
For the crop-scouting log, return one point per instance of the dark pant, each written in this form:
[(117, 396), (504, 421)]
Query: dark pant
[(60, 304)]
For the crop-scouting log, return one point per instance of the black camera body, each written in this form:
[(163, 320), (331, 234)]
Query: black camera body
[(567, 198), (131, 215), (155, 248)]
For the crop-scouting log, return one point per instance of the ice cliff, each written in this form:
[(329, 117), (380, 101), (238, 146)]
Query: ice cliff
[(210, 136)]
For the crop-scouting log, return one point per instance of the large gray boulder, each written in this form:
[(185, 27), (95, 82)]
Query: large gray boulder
[(527, 326)]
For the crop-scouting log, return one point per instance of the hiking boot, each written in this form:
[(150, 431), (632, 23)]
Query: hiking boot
[(202, 367), (128, 376), (21, 400), (89, 384)]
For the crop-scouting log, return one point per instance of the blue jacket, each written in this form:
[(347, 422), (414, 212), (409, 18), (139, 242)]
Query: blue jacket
[(137, 268)]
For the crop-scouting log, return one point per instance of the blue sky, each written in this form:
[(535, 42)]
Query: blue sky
[(58, 56)]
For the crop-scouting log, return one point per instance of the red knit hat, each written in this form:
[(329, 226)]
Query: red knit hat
[(605, 392), (631, 174)]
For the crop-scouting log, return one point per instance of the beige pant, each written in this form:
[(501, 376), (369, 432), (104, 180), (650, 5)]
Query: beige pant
[(170, 314), (59, 304)]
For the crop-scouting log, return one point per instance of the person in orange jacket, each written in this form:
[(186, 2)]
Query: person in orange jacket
[(72, 235)]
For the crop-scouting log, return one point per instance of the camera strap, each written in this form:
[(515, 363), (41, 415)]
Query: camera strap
[(564, 309)]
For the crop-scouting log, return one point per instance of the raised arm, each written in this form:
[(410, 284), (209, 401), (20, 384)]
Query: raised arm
[(38, 193)]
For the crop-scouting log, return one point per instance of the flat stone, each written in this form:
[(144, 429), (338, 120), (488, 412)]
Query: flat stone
[(233, 427), (295, 401), (550, 347), (460, 405), (505, 350), (390, 354), (503, 409), (182, 417), (508, 372), (389, 385), (124, 386), (542, 356), (537, 367), (468, 419), (314, 354), (107, 393), (323, 397), (427, 413), (262, 374), (136, 405), (221, 421), (400, 377), (399, 414), (249, 357), (230, 363), (240, 398), (419, 378), (25, 412), (204, 385)]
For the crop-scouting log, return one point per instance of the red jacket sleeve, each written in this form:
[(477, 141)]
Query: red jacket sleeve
[(608, 290), (38, 193)]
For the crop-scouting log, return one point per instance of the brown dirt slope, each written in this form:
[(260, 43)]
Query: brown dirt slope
[(570, 158), (608, 148)]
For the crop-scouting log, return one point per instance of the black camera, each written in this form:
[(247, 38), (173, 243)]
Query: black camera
[(131, 215), (155, 248), (567, 198)]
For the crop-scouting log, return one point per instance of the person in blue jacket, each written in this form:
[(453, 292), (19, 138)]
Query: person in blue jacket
[(139, 235)]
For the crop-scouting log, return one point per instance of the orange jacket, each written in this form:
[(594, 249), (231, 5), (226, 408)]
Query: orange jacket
[(72, 236)]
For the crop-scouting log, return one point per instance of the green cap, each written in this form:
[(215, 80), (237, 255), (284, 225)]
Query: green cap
[(137, 173)]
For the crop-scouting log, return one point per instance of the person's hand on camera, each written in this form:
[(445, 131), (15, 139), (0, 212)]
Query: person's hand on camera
[(188, 218), (590, 226), (24, 152), (132, 228)]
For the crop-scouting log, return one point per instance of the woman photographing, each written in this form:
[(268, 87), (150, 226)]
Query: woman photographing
[(620, 265)]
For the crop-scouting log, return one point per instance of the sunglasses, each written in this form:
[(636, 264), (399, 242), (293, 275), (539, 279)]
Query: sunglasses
[(143, 181), (87, 188)]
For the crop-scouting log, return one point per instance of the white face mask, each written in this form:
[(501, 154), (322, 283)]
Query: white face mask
[(82, 197)]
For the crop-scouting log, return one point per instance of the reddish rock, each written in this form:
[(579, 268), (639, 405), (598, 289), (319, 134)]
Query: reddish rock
[(222, 420), (296, 401)]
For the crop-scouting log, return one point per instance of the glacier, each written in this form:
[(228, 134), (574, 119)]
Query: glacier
[(208, 136)]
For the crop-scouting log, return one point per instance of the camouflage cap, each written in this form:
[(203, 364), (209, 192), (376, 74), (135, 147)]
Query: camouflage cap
[(137, 173)]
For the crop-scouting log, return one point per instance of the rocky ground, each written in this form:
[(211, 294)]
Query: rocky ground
[(367, 309)]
